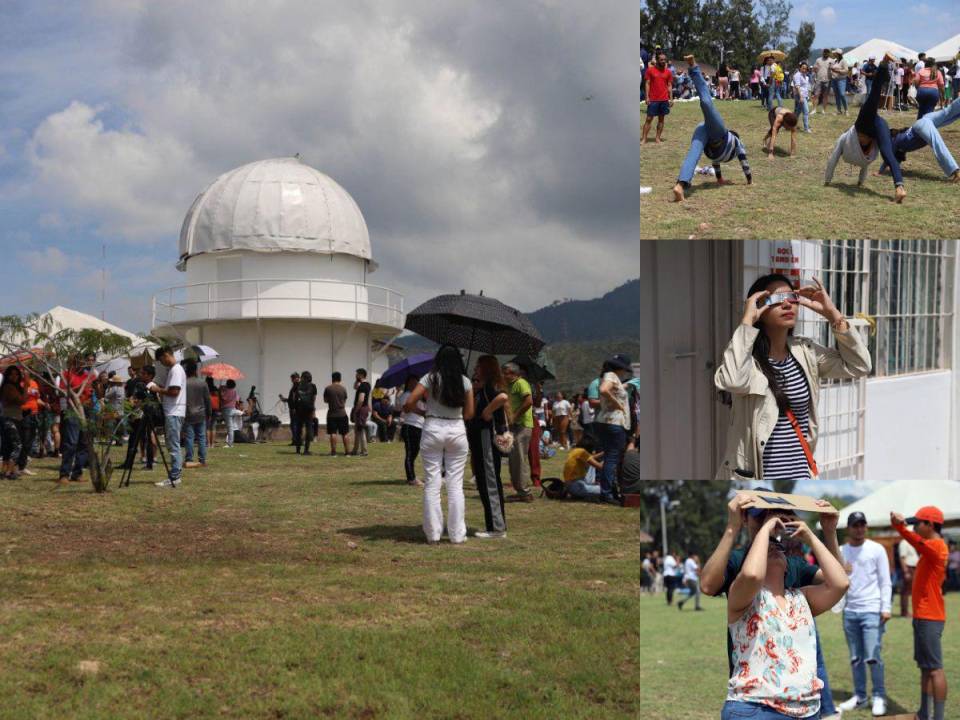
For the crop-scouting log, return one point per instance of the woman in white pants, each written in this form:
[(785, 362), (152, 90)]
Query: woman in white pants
[(449, 400)]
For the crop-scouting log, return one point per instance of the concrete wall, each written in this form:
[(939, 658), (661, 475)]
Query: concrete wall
[(280, 347), (908, 427)]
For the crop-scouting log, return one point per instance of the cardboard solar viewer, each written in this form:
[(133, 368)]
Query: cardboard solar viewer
[(783, 501)]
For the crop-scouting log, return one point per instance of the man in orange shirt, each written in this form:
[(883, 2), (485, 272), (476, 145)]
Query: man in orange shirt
[(928, 611), (30, 423)]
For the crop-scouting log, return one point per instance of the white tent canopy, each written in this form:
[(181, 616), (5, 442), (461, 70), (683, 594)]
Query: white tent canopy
[(876, 47), (947, 50), (67, 319), (906, 497)]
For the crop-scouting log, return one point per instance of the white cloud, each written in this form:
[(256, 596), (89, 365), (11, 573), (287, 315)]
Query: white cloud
[(920, 9), (828, 14), (49, 261)]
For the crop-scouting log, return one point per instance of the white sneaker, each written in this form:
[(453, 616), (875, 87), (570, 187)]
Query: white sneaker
[(27, 471), (168, 483), (879, 706), (490, 534), (854, 703)]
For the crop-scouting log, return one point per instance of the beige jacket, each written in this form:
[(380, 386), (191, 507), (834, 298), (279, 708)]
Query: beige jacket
[(755, 409)]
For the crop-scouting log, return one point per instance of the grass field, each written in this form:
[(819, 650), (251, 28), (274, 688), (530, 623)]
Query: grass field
[(275, 586), (272, 586), (788, 198)]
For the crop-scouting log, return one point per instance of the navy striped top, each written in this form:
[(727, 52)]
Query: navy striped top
[(783, 456)]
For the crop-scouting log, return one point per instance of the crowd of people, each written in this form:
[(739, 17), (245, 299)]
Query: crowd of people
[(783, 575), (892, 84)]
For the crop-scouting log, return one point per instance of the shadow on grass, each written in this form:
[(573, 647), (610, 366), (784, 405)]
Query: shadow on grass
[(379, 482), (854, 191), (397, 533)]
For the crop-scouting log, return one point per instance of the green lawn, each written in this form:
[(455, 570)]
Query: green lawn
[(788, 198), (684, 660), (277, 586)]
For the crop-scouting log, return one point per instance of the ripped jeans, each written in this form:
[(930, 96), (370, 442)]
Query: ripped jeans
[(864, 631)]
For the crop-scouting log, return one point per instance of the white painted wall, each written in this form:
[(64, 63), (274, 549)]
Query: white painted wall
[(908, 433)]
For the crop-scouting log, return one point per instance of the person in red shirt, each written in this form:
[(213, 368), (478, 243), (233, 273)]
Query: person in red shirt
[(928, 611), (658, 82)]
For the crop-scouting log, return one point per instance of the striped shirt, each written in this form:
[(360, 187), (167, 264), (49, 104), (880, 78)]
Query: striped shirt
[(732, 148), (783, 456)]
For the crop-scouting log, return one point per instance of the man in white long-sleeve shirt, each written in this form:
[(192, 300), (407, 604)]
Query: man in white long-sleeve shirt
[(866, 612)]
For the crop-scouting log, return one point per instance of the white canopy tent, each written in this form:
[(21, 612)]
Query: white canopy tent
[(67, 319), (876, 47), (906, 497), (947, 50)]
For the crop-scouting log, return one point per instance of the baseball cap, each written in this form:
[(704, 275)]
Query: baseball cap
[(930, 513), (856, 518), (621, 361)]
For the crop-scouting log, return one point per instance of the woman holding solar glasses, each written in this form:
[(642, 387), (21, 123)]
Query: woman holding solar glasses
[(774, 378)]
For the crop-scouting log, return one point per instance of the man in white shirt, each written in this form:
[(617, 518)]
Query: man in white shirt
[(173, 397), (908, 565), (669, 576), (865, 613), (691, 581)]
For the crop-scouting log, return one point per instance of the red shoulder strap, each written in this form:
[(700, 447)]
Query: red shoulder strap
[(804, 444)]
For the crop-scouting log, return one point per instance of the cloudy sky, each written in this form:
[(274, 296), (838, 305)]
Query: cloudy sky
[(918, 25), (462, 129)]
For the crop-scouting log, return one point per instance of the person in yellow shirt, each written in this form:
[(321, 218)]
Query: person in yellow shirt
[(579, 470)]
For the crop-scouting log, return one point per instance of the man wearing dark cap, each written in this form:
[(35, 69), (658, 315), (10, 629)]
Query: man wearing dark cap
[(928, 611), (723, 566), (865, 613)]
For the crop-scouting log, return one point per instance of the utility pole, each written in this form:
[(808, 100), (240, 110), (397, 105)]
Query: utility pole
[(103, 281)]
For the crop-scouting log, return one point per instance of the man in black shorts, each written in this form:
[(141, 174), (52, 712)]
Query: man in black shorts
[(335, 397)]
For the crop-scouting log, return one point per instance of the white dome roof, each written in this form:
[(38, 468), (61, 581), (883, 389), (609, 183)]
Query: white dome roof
[(274, 206)]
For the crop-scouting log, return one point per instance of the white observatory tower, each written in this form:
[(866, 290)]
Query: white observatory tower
[(276, 256)]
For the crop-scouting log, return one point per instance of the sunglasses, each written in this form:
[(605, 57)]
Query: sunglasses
[(778, 298)]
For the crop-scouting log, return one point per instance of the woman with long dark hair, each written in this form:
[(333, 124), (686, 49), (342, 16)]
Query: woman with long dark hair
[(489, 420), (449, 399), (12, 396), (774, 378)]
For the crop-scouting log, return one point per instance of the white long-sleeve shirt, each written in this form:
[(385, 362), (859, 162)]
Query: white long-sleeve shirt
[(848, 147), (869, 577)]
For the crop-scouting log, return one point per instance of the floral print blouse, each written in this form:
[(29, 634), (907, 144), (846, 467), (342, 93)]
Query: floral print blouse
[(775, 656)]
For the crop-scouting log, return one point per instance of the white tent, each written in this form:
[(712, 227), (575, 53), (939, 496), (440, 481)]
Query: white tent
[(906, 497), (876, 47), (947, 50), (67, 319)]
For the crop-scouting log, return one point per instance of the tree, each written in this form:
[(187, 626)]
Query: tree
[(46, 352), (776, 22), (801, 46), (673, 24), (697, 521)]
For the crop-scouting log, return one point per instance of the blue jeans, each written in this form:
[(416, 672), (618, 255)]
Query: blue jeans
[(926, 127), (774, 94), (196, 432), (869, 84), (73, 448), (586, 487), (710, 131), (840, 93), (801, 107), (172, 425), (735, 710), (613, 438), (927, 99), (864, 631), (826, 694)]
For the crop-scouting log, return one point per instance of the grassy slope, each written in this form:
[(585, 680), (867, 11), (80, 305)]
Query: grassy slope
[(276, 586), (804, 207)]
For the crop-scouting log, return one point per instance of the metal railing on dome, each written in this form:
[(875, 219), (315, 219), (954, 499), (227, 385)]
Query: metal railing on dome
[(292, 298)]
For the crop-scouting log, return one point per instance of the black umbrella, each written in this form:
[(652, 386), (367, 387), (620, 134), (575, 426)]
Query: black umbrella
[(538, 369), (475, 322)]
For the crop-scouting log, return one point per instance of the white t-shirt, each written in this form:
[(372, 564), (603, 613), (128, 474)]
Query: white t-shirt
[(435, 409), (908, 554), (691, 570), (561, 408), (869, 577), (669, 566), (176, 406), (411, 418), (586, 413)]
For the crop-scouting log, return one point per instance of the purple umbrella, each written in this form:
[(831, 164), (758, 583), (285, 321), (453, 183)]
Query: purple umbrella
[(397, 374)]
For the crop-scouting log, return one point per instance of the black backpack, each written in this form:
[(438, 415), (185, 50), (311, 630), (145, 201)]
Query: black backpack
[(305, 395)]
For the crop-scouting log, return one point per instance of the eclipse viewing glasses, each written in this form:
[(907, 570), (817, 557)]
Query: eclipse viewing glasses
[(778, 298)]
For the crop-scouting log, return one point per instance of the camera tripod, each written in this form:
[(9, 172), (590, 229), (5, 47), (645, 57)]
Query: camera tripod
[(146, 432)]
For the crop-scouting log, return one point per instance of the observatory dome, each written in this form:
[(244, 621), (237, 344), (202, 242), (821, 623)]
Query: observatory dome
[(277, 205)]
